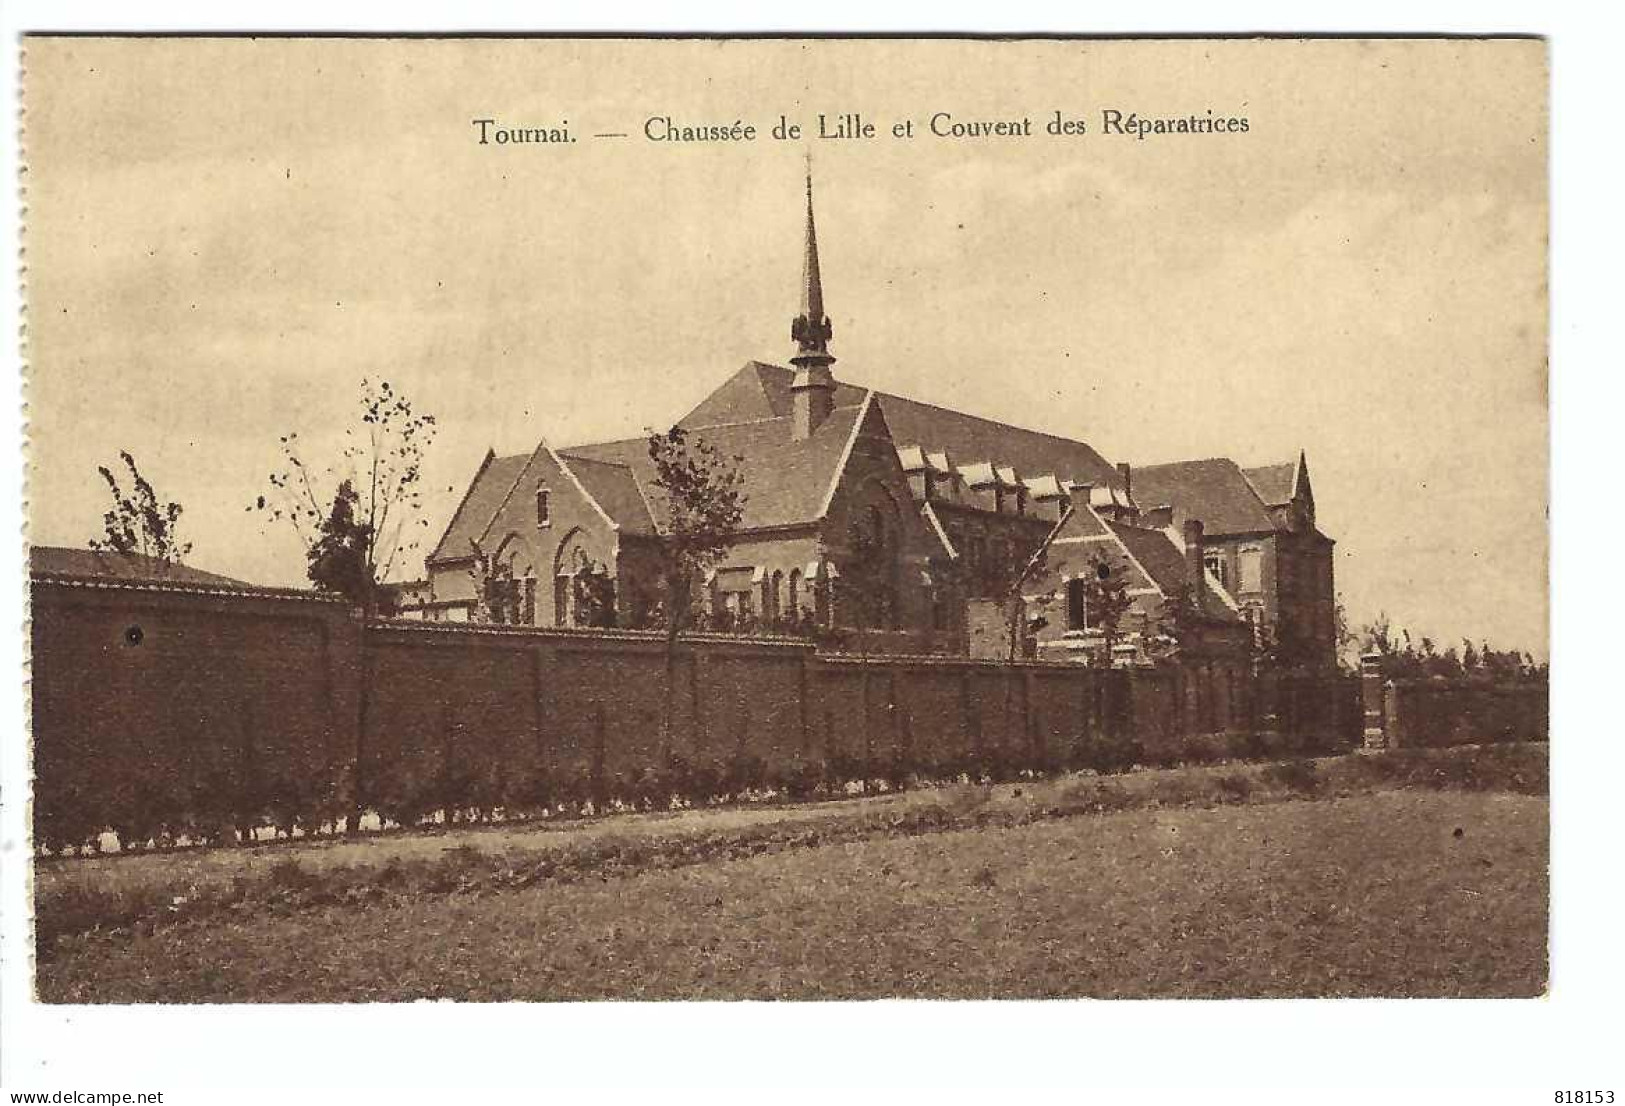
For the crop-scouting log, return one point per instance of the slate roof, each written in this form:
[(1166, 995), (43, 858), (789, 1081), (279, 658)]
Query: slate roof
[(1274, 483), (58, 560), (1214, 490), (760, 391)]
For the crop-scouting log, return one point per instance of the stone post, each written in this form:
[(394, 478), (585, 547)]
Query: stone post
[(1371, 698)]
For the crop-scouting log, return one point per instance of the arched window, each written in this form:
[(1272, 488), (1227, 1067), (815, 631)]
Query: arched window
[(544, 516), (775, 591), (794, 607)]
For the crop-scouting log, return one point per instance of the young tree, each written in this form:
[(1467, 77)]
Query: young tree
[(139, 522), (998, 572), (368, 523), (1178, 620), (1105, 596), (355, 534), (496, 592), (864, 596), (702, 491)]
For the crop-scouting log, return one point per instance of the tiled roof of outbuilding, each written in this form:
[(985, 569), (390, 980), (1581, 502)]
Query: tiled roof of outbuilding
[(59, 560)]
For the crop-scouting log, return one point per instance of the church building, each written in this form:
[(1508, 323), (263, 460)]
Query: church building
[(955, 506)]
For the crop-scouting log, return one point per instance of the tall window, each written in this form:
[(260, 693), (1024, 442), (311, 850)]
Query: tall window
[(1214, 563), (543, 512), (1077, 604), (775, 592), (794, 608), (1251, 569)]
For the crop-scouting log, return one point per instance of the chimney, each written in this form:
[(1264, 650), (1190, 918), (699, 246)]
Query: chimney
[(1195, 569), (1128, 485)]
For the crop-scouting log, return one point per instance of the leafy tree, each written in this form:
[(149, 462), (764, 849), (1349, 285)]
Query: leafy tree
[(1377, 636), (139, 522), (337, 560), (864, 593), (702, 491), (1344, 638), (355, 535), (592, 592)]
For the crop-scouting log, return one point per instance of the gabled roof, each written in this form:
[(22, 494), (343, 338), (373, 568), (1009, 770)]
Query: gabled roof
[(56, 560), (615, 489), (1275, 484), (786, 481), (1214, 490), (1156, 553), (1155, 558), (484, 497), (762, 391)]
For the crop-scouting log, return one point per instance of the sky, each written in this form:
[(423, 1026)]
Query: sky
[(223, 237)]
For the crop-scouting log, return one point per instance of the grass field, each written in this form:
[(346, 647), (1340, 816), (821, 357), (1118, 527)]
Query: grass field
[(1372, 893)]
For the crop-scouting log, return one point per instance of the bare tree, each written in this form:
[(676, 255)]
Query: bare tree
[(357, 518), (360, 516)]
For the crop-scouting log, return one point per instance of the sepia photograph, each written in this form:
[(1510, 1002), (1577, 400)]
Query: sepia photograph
[(550, 519)]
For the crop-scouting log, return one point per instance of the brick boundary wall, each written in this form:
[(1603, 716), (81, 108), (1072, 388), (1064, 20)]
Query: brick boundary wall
[(167, 713), (1435, 712)]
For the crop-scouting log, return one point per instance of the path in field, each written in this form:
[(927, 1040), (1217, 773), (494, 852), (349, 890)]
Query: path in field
[(1369, 895)]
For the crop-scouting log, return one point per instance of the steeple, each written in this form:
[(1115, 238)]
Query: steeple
[(813, 390)]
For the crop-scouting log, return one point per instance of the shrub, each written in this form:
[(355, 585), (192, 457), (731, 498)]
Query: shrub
[(1114, 752), (801, 779), (1299, 776), (1204, 748)]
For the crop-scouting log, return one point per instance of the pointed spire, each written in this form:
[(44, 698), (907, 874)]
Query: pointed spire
[(812, 285), (811, 330)]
